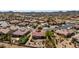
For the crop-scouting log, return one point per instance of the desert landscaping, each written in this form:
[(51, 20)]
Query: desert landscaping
[(39, 29)]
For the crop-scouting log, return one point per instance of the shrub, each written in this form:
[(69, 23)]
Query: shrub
[(23, 39), (49, 34)]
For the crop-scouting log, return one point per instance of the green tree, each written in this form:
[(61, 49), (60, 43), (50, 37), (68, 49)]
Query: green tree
[(24, 39), (50, 35)]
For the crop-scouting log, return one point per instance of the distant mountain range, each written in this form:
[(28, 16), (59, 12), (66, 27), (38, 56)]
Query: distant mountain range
[(36, 10), (43, 13)]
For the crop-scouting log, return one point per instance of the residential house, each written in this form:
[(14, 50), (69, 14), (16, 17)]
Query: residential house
[(65, 32), (76, 26), (15, 21), (4, 24), (18, 33), (36, 34)]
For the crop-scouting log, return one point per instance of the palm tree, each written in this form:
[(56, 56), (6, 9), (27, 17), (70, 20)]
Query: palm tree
[(7, 37), (49, 35), (2, 37)]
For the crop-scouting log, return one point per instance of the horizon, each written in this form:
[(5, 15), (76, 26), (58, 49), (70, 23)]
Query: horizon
[(36, 10)]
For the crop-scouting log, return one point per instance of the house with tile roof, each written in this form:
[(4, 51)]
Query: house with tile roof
[(65, 32)]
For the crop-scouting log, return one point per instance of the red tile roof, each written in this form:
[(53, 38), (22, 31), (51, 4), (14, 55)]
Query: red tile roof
[(76, 37), (76, 26), (14, 21), (64, 32), (5, 31), (20, 32), (36, 33)]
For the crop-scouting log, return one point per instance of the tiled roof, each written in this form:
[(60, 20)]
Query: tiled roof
[(5, 31), (36, 33), (76, 37), (20, 32), (76, 26), (64, 32), (14, 21), (12, 27)]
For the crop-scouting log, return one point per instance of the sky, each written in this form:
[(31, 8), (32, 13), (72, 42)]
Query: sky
[(36, 5)]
